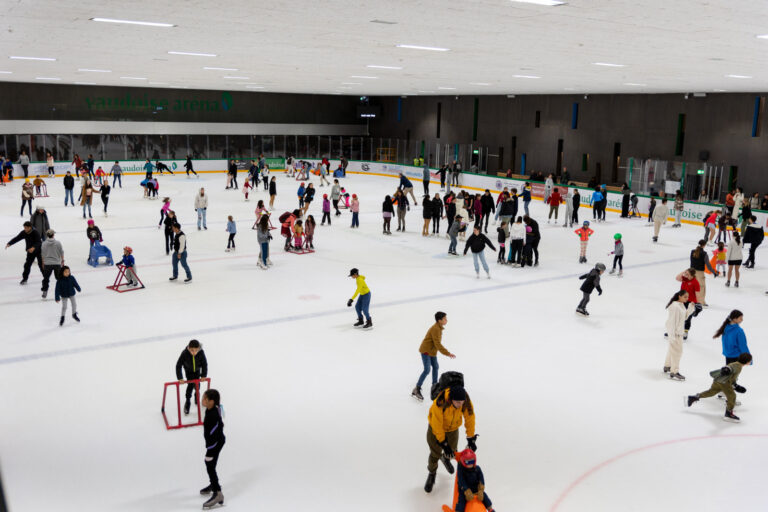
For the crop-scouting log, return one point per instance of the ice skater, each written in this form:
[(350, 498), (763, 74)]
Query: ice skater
[(471, 482), (477, 242), (659, 216), (679, 308), (618, 254), (32, 245), (688, 282), (213, 432), (232, 230), (430, 346), (188, 166), (193, 362), (65, 291), (179, 254), (129, 262), (584, 233), (753, 236), (355, 209), (247, 188), (724, 381), (734, 257), (326, 210), (501, 238), (591, 283), (164, 210), (363, 301)]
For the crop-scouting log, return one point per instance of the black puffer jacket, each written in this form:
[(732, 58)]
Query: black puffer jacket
[(195, 367)]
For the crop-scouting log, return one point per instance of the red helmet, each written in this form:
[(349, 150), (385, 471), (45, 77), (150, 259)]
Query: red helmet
[(325, 196), (467, 458), (128, 249), (302, 183)]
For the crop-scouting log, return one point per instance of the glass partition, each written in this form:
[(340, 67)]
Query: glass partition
[(198, 146)]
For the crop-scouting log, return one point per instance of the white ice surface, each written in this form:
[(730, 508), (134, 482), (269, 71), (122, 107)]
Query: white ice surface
[(318, 414)]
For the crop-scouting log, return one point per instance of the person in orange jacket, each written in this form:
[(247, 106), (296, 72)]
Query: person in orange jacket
[(584, 233), (554, 201)]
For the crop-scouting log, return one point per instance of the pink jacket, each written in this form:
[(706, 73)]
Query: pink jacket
[(355, 208), (166, 207)]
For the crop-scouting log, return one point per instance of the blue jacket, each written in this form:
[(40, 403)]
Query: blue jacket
[(597, 196), (301, 191), (128, 261), (405, 182), (65, 287), (231, 226), (469, 478), (734, 341)]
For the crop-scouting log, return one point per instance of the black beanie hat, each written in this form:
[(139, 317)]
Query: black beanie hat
[(458, 393)]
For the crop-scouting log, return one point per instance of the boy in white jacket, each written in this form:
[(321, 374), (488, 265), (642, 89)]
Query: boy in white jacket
[(201, 205), (678, 313)]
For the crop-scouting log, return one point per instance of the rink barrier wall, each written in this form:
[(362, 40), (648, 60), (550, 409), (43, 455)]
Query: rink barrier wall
[(693, 212)]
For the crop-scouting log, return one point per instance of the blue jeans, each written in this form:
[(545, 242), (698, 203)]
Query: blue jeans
[(69, 196), (428, 361), (118, 177), (89, 209), (452, 246), (175, 260), (264, 252), (479, 256), (201, 217), (361, 306), (355, 220), (525, 206)]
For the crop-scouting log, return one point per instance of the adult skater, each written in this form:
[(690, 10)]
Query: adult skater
[(549, 183), (148, 167), (724, 381), (117, 172), (213, 432), (195, 365), (753, 235), (27, 195), (733, 338), (407, 187), (39, 221), (679, 308), (104, 192), (363, 301), (477, 242), (426, 175), (32, 244), (576, 204), (49, 162), (734, 256), (426, 214), (442, 172), (335, 196), (272, 191), (591, 283), (232, 171), (69, 187), (446, 414), (162, 167), (487, 207), (455, 172), (679, 205), (430, 346), (402, 207), (201, 207), (625, 193), (659, 217), (179, 254), (568, 218), (597, 201), (700, 261), (86, 197), (53, 258), (90, 164), (24, 162), (188, 166), (437, 213), (554, 201), (535, 237), (526, 197)]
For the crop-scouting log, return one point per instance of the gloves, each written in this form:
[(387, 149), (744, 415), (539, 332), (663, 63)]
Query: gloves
[(471, 444), (349, 303), (480, 491), (726, 370), (698, 307), (739, 389), (468, 495), (447, 449)]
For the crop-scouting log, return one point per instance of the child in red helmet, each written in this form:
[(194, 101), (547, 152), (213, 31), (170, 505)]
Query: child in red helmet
[(470, 481), (129, 262)]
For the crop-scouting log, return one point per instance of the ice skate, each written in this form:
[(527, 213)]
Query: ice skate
[(430, 482), (488, 275), (613, 271), (582, 311), (690, 400), (359, 323), (676, 376), (74, 315), (187, 279), (655, 239), (736, 284), (685, 335), (216, 500), (24, 281), (666, 369), (447, 463), (729, 416), (368, 324), (269, 262), (186, 406), (621, 273), (728, 283), (416, 393), (61, 321), (45, 293)]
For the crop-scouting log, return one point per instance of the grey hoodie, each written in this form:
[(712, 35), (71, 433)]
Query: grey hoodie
[(336, 192), (52, 252)]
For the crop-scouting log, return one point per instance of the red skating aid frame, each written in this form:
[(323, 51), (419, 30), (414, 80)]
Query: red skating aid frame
[(119, 281), (197, 382)]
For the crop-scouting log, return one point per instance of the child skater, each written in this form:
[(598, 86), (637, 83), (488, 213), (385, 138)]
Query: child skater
[(309, 232), (129, 263), (272, 191), (591, 282), (719, 255), (528, 247), (584, 233), (326, 210), (246, 188), (164, 210), (618, 254), (679, 309), (65, 291), (471, 481), (355, 209), (298, 235), (724, 381), (232, 230), (502, 238), (300, 193), (213, 432), (93, 233), (516, 236)]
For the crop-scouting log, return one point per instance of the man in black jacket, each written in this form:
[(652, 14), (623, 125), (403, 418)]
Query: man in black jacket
[(69, 186), (488, 207), (535, 237), (32, 243), (195, 365), (477, 242), (753, 236), (591, 283)]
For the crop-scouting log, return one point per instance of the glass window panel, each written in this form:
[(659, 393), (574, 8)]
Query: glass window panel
[(36, 148), (268, 146), (239, 146), (157, 147), (113, 147), (302, 148), (198, 146), (64, 145), (11, 149), (2, 145), (84, 145), (217, 146), (49, 142), (290, 146), (256, 145), (136, 147), (177, 146)]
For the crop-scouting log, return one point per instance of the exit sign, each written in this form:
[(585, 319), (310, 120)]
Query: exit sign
[(700, 171)]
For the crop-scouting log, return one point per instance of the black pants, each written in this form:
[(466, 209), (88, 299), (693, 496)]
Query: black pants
[(650, 214), (442, 181), (210, 465), (618, 259), (527, 255), (575, 217), (25, 168), (326, 215), (168, 241), (625, 206), (191, 388), (28, 263), (105, 200), (486, 217), (502, 253), (28, 202), (231, 240), (266, 182), (254, 181), (190, 170), (336, 206), (535, 247), (234, 180), (47, 271), (584, 300), (688, 320), (751, 258), (426, 187), (516, 251), (436, 224), (450, 221)]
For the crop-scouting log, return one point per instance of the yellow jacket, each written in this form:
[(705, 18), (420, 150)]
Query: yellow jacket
[(444, 417), (362, 288)]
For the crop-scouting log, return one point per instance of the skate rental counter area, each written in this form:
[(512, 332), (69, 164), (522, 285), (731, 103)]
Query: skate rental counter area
[(269, 257)]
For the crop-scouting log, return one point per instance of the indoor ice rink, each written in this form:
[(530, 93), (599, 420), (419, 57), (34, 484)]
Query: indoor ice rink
[(572, 412)]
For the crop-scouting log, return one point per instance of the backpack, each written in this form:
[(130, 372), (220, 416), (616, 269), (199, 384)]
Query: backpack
[(446, 380), (284, 217)]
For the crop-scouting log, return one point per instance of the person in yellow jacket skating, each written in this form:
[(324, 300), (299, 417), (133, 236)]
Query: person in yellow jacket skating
[(363, 301), (448, 411)]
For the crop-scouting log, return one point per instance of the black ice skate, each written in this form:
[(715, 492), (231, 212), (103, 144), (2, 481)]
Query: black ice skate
[(447, 463), (74, 315), (216, 500), (690, 400), (416, 393), (61, 321), (368, 324), (359, 323), (676, 376), (729, 416), (186, 406), (666, 369), (206, 491), (430, 482), (582, 311)]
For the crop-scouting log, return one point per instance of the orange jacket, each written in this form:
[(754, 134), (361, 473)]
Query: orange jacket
[(584, 233)]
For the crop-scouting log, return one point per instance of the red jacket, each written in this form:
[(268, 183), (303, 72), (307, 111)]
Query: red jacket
[(584, 233), (555, 199), (691, 286)]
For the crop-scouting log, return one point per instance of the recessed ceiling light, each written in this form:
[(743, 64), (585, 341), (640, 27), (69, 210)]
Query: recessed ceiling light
[(479, 83), (738, 76), (636, 84), (525, 76), (193, 54), (609, 64), (85, 83), (95, 70), (365, 77), (6, 72), (221, 69), (47, 78), (133, 78), (15, 57), (549, 3), (446, 88), (129, 22), (428, 48), (764, 36), (376, 66)]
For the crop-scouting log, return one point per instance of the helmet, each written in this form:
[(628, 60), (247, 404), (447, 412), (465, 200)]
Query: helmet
[(586, 223), (128, 249), (467, 458), (302, 183), (325, 196), (617, 236), (600, 267)]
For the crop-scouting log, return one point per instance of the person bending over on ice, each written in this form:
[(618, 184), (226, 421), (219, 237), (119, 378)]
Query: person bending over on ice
[(195, 365), (471, 481), (445, 417), (363, 301), (724, 381), (591, 282)]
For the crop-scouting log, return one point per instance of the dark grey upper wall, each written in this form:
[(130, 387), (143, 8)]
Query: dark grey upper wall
[(24, 101), (644, 125)]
